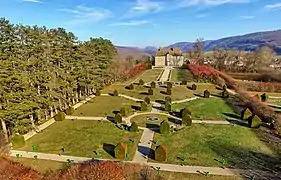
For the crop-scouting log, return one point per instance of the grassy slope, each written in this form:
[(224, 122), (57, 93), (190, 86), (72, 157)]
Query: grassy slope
[(202, 144), (148, 76), (141, 120), (81, 138), (181, 74), (206, 108)]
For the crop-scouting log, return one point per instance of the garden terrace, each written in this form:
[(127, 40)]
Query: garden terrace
[(207, 109), (100, 106), (142, 121), (181, 75), (208, 145), (82, 138), (148, 76)]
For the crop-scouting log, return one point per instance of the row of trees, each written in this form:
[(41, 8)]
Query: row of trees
[(43, 71)]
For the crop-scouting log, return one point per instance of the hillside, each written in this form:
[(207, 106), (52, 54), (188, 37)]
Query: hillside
[(137, 53)]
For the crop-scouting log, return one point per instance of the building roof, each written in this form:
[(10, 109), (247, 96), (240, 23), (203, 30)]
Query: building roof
[(171, 51)]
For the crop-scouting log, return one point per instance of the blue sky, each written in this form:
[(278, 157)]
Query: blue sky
[(147, 22)]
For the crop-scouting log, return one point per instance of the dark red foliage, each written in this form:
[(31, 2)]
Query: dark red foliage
[(202, 71), (136, 70)]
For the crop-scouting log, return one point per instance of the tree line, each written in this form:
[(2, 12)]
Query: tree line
[(43, 71)]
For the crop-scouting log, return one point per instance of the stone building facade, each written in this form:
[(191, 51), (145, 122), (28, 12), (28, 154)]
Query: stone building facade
[(169, 57)]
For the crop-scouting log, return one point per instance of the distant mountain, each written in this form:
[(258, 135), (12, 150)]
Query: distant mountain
[(135, 52)]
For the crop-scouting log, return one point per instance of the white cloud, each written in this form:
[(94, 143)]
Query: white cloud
[(187, 3), (199, 16), (83, 14), (246, 17), (143, 7), (32, 1), (272, 7), (130, 23)]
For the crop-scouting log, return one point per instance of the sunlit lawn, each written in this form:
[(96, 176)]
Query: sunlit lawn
[(148, 76), (82, 138), (181, 75), (202, 144), (268, 93), (101, 105), (142, 121), (206, 108)]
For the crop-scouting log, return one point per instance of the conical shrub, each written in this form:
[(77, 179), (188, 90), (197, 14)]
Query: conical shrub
[(160, 153), (118, 118), (134, 127), (120, 150), (164, 127)]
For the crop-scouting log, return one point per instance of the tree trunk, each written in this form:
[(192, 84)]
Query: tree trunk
[(51, 112), (46, 115), (56, 110), (60, 105), (4, 128)]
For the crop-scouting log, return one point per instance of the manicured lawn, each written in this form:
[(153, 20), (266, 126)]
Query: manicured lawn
[(178, 92), (274, 101), (100, 105), (39, 165), (142, 121), (148, 76), (185, 176), (206, 108), (203, 144), (268, 93), (181, 75), (82, 138)]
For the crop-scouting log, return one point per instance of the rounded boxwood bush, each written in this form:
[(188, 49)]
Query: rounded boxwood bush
[(246, 114), (134, 127), (264, 97), (131, 87), (168, 99), (153, 84), (147, 100), (160, 153), (164, 127), (60, 116), (141, 82), (193, 87), (97, 92), (224, 87), (225, 94), (169, 91), (18, 141), (206, 94), (120, 150), (255, 122), (184, 112), (118, 118), (143, 106), (186, 120), (150, 91), (184, 82), (69, 111), (124, 111), (168, 106), (115, 93)]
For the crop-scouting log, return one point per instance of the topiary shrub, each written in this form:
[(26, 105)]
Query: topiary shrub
[(131, 87), (186, 120), (120, 150), (168, 99), (60, 116), (164, 127), (115, 93), (160, 153), (18, 141), (98, 93), (169, 91), (168, 106), (147, 100), (150, 91), (184, 82), (193, 87), (143, 106), (246, 114), (225, 94), (184, 112), (169, 85), (69, 111), (134, 127), (255, 122), (224, 87), (153, 84), (264, 97), (206, 94), (118, 118), (124, 111), (141, 82)]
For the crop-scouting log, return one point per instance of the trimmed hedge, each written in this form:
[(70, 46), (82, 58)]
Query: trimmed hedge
[(169, 91), (246, 114), (184, 82), (153, 84), (120, 150), (60, 116), (168, 99), (134, 127), (193, 87), (264, 97), (255, 122), (118, 118), (18, 141), (224, 87), (186, 120), (69, 111), (131, 86), (169, 85), (164, 127), (141, 82), (184, 112), (143, 106), (124, 111), (206, 94), (115, 93), (150, 91), (98, 93), (160, 153), (168, 106), (147, 100)]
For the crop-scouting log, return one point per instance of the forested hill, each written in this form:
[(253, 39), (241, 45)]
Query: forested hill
[(45, 70)]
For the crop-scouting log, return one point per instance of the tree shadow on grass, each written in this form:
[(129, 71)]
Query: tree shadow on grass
[(175, 121), (146, 86), (175, 113), (110, 118), (109, 148), (136, 83), (163, 92), (159, 108), (235, 116), (238, 122), (137, 108), (160, 101), (198, 95), (189, 87), (115, 111), (216, 95), (127, 87), (153, 127), (144, 93)]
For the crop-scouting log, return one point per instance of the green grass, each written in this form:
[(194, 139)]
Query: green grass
[(268, 93), (202, 144), (39, 165), (181, 75), (100, 105), (81, 138), (206, 108), (148, 76), (178, 92), (141, 120)]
